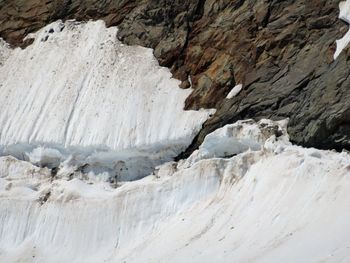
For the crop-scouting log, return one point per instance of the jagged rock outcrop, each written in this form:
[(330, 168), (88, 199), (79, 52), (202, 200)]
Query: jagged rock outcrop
[(281, 51)]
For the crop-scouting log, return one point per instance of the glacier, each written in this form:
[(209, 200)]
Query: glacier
[(266, 201), (89, 129)]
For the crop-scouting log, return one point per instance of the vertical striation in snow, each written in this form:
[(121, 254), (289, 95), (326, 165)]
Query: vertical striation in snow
[(78, 90), (344, 15), (89, 222)]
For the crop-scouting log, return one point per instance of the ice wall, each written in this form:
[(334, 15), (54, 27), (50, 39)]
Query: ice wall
[(78, 90)]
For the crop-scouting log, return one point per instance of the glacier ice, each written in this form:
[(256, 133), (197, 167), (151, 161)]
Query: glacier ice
[(270, 202), (239, 137), (78, 91)]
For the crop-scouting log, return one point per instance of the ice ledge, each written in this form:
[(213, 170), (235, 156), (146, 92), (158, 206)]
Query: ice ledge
[(64, 178), (242, 136), (102, 162)]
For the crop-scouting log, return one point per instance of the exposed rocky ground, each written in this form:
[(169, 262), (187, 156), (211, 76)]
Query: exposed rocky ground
[(281, 51)]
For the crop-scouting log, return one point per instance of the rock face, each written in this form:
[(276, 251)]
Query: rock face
[(280, 51)]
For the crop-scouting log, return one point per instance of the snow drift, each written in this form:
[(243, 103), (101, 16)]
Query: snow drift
[(269, 202), (79, 95)]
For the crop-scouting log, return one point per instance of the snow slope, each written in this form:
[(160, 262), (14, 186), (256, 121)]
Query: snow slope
[(78, 91), (274, 202)]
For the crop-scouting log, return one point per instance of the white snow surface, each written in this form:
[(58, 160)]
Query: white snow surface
[(344, 15), (235, 91), (79, 92), (274, 202)]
